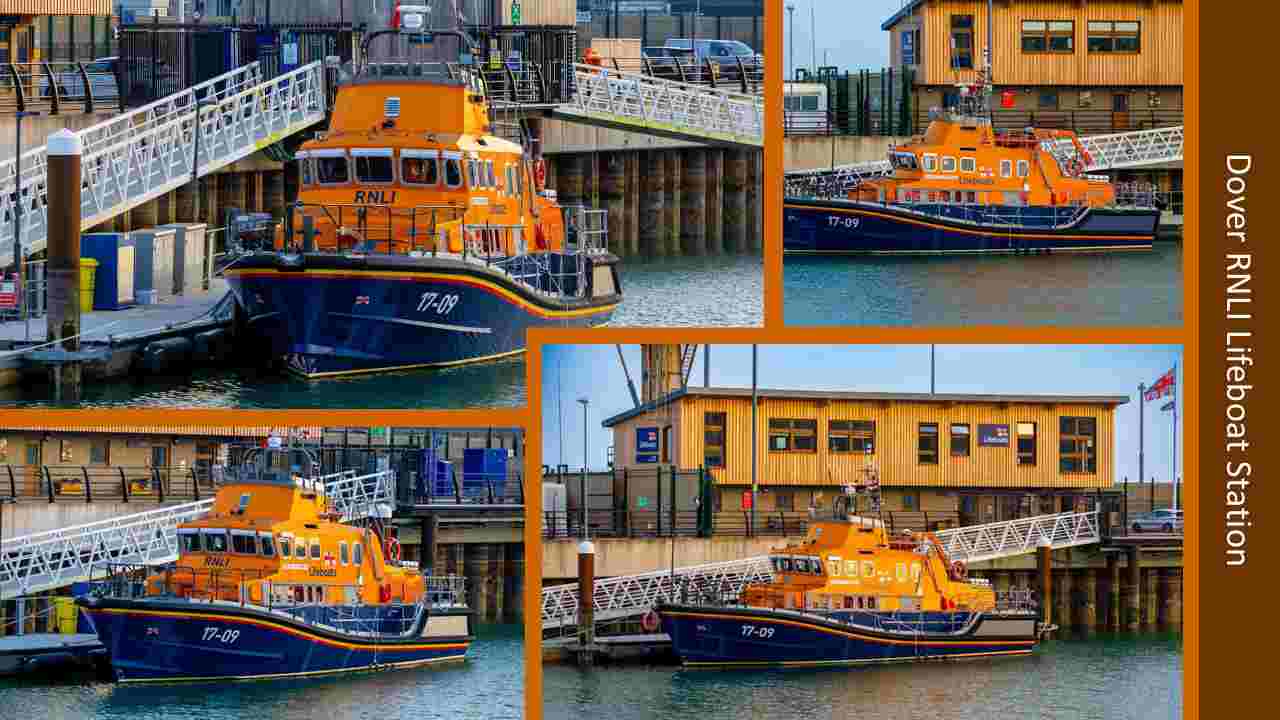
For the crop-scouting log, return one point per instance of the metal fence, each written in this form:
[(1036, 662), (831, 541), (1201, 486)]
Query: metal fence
[(105, 483)]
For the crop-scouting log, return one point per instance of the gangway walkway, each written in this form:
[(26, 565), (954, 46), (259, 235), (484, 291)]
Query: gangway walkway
[(142, 154), (632, 595), (655, 106), (56, 558)]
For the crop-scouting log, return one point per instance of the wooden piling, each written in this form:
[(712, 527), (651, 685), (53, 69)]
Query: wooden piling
[(631, 164), (1044, 568), (1170, 597), (755, 217), (673, 193), (1087, 607), (653, 227), (146, 215), (63, 153), (275, 192), (613, 195), (1062, 597), (1150, 600), (693, 203), (735, 201), (1113, 592), (714, 212), (1133, 591)]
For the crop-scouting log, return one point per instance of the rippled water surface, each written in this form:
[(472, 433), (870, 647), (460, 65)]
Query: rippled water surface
[(488, 686), (700, 291), (1129, 289), (1102, 677)]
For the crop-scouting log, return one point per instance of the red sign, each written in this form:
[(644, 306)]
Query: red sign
[(746, 499), (1006, 99), (8, 295)]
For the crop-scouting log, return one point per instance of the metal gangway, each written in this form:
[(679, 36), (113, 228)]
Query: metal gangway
[(56, 558), (632, 595), (142, 154), (1120, 151), (655, 106)]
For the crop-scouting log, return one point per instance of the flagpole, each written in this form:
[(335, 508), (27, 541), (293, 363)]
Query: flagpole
[(1175, 436), (1142, 399)]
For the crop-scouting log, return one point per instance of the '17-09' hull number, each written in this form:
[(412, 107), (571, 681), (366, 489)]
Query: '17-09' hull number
[(442, 304), (227, 636), (757, 632)]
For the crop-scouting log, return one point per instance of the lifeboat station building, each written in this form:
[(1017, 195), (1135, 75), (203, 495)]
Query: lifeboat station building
[(963, 459)]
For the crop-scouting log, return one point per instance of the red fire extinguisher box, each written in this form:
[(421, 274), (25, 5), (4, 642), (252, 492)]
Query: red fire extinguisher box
[(1006, 99), (746, 499)]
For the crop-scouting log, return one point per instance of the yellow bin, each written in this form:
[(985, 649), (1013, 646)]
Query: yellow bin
[(88, 275), (67, 614)]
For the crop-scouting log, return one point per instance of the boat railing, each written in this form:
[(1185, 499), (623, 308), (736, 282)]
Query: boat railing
[(1019, 600), (373, 229), (978, 214)]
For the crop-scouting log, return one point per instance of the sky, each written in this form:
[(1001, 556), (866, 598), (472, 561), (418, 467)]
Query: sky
[(848, 32), (570, 372)]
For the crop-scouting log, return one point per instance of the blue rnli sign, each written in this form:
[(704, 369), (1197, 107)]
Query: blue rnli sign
[(995, 435), (646, 445)]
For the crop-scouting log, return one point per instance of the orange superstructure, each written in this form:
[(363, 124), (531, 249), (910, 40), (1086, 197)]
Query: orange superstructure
[(961, 160), (410, 162)]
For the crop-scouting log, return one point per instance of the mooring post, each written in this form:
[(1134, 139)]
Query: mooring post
[(586, 603), (1133, 591), (1044, 564), (63, 151)]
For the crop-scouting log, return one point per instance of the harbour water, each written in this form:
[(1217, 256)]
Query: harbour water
[(708, 291), (495, 384), (488, 686), (1098, 677), (1117, 289)]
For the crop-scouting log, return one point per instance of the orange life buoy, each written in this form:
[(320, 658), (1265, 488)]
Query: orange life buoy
[(958, 570), (384, 592), (649, 621)]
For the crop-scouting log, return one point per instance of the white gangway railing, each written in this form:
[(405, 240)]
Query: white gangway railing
[(657, 106), (56, 558), (632, 595), (142, 154), (1132, 149)]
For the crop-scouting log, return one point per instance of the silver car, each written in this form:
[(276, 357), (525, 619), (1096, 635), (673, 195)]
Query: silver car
[(1166, 521)]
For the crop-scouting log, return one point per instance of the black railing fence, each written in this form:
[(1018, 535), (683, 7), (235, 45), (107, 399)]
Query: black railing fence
[(105, 483)]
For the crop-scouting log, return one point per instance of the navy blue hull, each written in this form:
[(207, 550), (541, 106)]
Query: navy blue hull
[(153, 642), (831, 227), (335, 315), (755, 637)]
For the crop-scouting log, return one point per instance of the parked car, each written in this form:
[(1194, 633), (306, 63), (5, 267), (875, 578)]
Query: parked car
[(1166, 521), (102, 79), (730, 58)]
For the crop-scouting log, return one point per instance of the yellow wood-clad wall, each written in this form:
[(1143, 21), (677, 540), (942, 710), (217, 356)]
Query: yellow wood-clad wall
[(1159, 61), (895, 443), (542, 12), (64, 449), (624, 435)]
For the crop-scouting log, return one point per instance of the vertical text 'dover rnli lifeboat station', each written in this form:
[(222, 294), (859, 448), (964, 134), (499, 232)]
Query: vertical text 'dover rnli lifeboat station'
[(965, 458)]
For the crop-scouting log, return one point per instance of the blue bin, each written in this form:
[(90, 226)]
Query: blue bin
[(113, 283), (483, 468)]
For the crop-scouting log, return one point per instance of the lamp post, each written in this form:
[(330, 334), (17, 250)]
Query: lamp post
[(791, 52), (586, 529)]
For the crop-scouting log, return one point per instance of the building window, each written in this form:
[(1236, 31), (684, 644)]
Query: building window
[(784, 500), (1048, 100), (1119, 37), (961, 42), (1026, 443), (1077, 446), (1051, 36), (927, 445), (793, 436), (851, 436), (713, 424), (959, 440), (909, 39), (666, 444), (911, 501), (159, 456), (99, 452)]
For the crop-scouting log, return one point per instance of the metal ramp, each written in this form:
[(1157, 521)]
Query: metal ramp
[(1120, 151), (56, 558), (834, 181), (654, 106), (632, 595), (142, 154)]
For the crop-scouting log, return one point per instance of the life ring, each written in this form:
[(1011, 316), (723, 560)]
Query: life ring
[(393, 549), (649, 621), (539, 174), (384, 593), (958, 570)]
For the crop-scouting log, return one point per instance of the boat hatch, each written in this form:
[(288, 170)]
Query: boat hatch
[(391, 108), (903, 160)]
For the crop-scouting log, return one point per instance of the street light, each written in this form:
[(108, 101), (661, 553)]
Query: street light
[(586, 529), (791, 17)]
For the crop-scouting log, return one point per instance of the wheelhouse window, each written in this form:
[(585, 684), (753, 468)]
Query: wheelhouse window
[(215, 540), (1077, 445), (948, 164), (968, 164), (315, 549), (713, 435), (1114, 36), (1026, 443), (357, 555), (1024, 168), (343, 555), (286, 546), (190, 540), (903, 160), (1006, 168), (851, 436), (268, 545), (927, 444), (452, 170), (929, 162), (473, 176), (789, 435), (961, 42), (1048, 36), (331, 167), (509, 173), (242, 542), (959, 440), (374, 165), (300, 548), (419, 167), (488, 167)]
